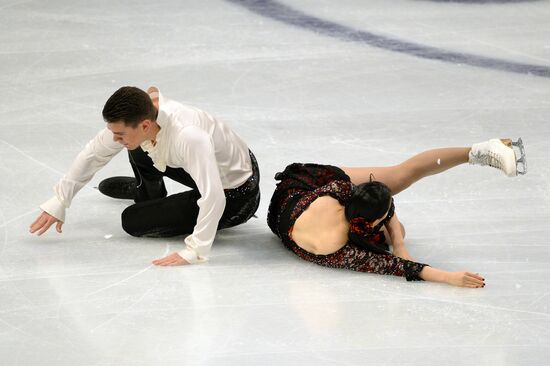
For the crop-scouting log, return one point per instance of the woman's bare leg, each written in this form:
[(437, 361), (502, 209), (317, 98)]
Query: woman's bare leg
[(399, 177)]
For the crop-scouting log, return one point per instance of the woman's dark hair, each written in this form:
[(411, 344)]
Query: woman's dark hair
[(368, 200), (129, 105)]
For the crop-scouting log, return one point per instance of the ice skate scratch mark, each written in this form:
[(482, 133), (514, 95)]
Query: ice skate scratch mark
[(5, 223), (241, 77), (119, 282), (15, 328), (127, 278), (36, 161), (488, 307), (133, 304), (285, 14), (539, 298), (16, 288), (31, 158), (123, 311), (354, 142), (14, 4), (5, 241)]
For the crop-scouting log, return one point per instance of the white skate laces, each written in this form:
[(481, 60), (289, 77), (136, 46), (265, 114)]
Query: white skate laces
[(501, 154)]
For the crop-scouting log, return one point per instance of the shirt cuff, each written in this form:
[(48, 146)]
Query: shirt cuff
[(194, 252), (54, 207), (190, 256)]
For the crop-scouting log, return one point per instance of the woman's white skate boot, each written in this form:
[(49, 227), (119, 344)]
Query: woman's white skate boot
[(500, 154)]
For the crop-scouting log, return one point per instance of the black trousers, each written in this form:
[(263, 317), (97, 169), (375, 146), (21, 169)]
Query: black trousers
[(157, 215)]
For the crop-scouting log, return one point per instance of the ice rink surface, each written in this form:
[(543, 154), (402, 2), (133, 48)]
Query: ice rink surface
[(348, 82)]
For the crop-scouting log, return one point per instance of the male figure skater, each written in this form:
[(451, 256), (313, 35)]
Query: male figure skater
[(165, 138)]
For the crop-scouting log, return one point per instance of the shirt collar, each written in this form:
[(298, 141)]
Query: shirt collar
[(161, 118)]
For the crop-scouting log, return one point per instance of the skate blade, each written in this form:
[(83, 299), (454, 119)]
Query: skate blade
[(521, 162)]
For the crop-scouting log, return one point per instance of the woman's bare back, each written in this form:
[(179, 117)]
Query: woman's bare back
[(322, 228)]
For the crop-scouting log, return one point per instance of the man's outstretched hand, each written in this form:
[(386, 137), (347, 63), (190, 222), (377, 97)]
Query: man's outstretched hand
[(173, 259), (43, 223)]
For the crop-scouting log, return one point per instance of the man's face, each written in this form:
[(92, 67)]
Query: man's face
[(130, 137)]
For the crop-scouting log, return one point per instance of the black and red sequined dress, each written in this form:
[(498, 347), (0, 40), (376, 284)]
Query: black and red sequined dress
[(299, 186)]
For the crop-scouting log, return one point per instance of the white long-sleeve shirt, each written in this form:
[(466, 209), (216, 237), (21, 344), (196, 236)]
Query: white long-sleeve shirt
[(213, 155)]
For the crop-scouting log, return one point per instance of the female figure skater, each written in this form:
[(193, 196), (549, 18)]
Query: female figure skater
[(345, 217)]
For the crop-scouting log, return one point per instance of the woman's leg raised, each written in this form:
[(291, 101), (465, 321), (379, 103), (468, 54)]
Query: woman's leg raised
[(401, 176)]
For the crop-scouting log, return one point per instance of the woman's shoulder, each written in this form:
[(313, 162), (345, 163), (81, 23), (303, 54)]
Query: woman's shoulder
[(326, 205), (328, 211)]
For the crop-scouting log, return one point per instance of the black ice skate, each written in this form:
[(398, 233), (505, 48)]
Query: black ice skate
[(119, 187)]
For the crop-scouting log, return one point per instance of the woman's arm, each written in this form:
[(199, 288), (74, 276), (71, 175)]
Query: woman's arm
[(397, 237), (462, 279)]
